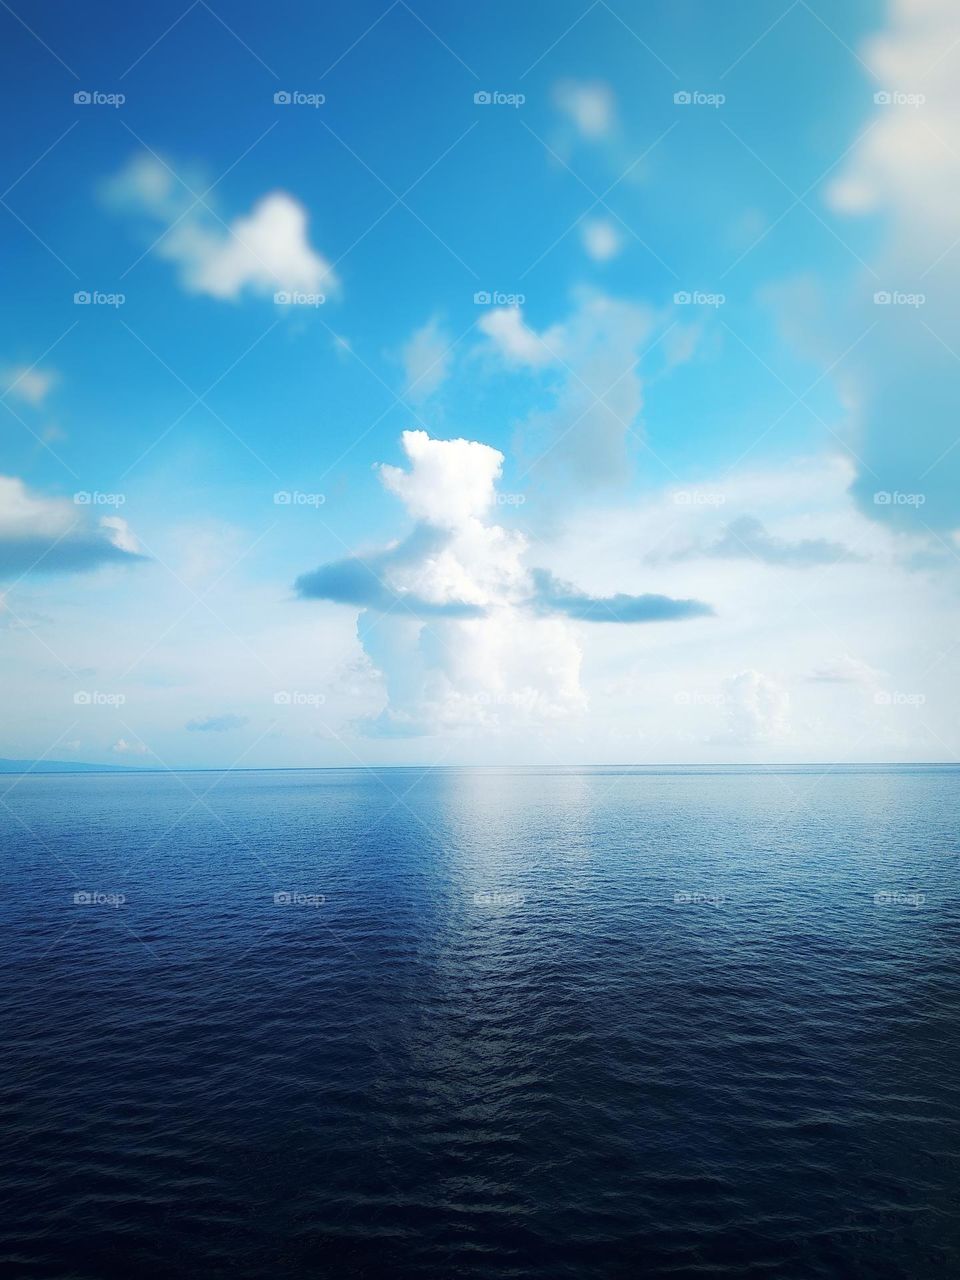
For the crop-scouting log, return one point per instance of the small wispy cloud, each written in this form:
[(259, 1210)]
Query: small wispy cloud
[(554, 596), (426, 360), (845, 670), (264, 252), (28, 383), (217, 724), (589, 105), (748, 538), (601, 239)]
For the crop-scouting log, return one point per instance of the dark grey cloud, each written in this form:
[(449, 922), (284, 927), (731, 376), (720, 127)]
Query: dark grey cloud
[(747, 538), (217, 724), (75, 553), (362, 580), (554, 596)]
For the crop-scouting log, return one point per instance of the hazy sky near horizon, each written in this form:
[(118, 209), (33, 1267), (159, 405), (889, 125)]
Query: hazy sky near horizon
[(427, 383)]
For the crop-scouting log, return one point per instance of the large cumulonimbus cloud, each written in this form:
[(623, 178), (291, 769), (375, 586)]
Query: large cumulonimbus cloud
[(462, 630)]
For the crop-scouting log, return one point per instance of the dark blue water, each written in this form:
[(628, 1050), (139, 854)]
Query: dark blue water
[(504, 1024)]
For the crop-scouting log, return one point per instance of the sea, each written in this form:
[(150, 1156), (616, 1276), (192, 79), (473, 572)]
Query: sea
[(481, 1022)]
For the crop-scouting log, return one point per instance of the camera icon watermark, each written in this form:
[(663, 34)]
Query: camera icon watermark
[(294, 898), (895, 298), (294, 498), (297, 698), (698, 498), (95, 898), (94, 698), (496, 298), (296, 98), (697, 298), (894, 698), (499, 898), (94, 98), (95, 298), (695, 98), (896, 898), (894, 498), (691, 698), (296, 298), (494, 98), (896, 98), (94, 498)]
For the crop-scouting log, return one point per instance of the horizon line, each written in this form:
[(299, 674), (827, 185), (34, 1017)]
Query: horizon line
[(79, 767)]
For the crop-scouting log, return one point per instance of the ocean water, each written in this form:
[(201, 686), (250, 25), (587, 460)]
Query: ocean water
[(481, 1023)]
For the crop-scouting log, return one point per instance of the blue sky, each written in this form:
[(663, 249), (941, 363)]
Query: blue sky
[(699, 398)]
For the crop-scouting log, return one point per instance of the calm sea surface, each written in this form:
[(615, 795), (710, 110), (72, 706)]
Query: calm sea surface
[(481, 1023)]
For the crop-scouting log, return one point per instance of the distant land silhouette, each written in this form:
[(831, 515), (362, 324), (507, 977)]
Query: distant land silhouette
[(62, 766)]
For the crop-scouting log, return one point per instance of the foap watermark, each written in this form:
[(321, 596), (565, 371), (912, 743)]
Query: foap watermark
[(94, 698), (894, 498), (96, 298), (294, 498), (510, 499), (893, 698), (294, 898), (897, 98), (94, 498), (697, 298), (496, 298), (690, 698), (499, 898), (296, 298), (697, 98), (495, 98), (685, 897), (297, 698), (698, 498), (95, 98), (96, 898), (297, 98), (897, 898), (897, 298)]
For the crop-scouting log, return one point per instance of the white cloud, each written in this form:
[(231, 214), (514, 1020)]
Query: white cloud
[(28, 383), (451, 483), (119, 533), (908, 160), (898, 361), (572, 692), (660, 693), (264, 252), (426, 360), (589, 105), (756, 707), (462, 630), (145, 185), (846, 670), (51, 535), (452, 672), (601, 239), (122, 747), (596, 403), (514, 340)]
